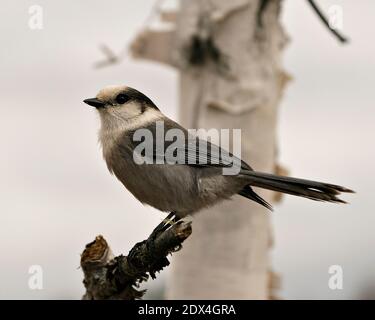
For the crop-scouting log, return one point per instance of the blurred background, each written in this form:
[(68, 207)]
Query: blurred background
[(56, 193)]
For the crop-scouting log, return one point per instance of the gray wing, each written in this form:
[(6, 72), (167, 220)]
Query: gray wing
[(187, 149), (196, 152)]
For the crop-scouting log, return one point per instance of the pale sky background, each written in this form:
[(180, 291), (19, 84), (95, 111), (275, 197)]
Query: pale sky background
[(56, 193)]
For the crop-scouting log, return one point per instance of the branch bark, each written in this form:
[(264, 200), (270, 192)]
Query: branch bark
[(118, 278)]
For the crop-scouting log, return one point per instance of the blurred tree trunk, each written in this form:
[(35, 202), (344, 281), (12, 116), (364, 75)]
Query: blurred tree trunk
[(229, 57)]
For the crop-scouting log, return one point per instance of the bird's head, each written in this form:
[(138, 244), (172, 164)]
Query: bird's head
[(121, 103)]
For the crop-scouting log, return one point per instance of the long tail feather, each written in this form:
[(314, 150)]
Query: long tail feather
[(313, 190), (249, 193)]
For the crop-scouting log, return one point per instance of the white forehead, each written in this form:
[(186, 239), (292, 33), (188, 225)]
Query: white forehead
[(109, 92)]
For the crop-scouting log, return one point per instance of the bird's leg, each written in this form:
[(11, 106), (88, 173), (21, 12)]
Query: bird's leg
[(170, 220)]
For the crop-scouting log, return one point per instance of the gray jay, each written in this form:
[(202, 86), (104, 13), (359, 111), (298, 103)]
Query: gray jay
[(182, 188)]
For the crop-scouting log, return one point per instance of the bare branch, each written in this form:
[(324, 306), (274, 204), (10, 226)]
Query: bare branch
[(109, 277)]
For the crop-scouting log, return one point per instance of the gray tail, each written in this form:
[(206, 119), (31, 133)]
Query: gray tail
[(313, 190), (249, 193)]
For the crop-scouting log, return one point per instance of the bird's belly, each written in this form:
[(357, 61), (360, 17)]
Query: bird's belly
[(164, 187)]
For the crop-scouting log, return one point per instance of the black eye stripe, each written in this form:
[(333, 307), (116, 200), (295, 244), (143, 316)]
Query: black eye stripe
[(122, 98)]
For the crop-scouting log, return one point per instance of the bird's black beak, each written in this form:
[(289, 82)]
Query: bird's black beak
[(94, 103)]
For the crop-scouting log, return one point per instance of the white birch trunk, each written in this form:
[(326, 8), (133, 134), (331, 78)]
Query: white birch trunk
[(227, 255)]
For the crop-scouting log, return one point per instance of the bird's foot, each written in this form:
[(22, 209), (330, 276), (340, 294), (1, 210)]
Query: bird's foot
[(169, 221)]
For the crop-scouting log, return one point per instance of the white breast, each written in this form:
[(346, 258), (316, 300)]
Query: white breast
[(115, 123)]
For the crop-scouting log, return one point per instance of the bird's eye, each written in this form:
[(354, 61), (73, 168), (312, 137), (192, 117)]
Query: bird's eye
[(122, 98)]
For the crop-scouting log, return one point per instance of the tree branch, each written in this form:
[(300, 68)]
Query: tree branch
[(109, 277)]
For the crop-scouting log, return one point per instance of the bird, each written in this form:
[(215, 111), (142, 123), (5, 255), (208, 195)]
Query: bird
[(186, 187)]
